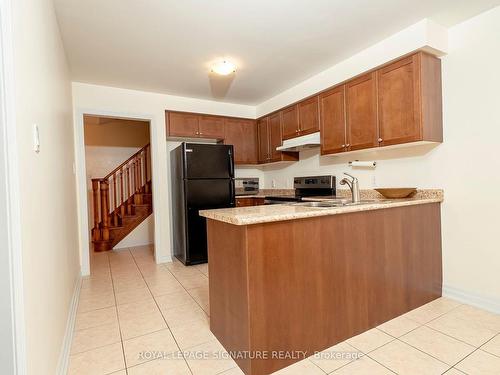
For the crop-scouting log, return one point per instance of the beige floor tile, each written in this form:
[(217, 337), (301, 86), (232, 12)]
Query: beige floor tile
[(133, 295), (203, 268), (96, 318), (139, 318), (403, 359), (192, 333), (335, 357), (163, 285), (233, 371), (363, 366), (176, 299), (105, 360), (300, 368), (482, 318), (454, 371), (183, 314), (95, 290), (215, 359), (493, 346), (95, 337), (141, 349), (122, 372), (195, 281), (398, 326), (438, 345), (161, 367), (370, 340), (468, 331), (432, 310), (200, 295), (94, 302), (480, 363)]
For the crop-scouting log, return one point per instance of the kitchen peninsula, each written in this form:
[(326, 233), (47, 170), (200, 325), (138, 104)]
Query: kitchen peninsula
[(295, 279)]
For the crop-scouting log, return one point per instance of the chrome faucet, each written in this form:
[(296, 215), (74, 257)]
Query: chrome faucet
[(353, 185)]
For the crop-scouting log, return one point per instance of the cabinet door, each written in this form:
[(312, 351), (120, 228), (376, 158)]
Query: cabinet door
[(361, 111), (290, 121), (309, 115), (182, 124), (399, 102), (242, 134), (275, 136), (263, 135), (211, 127), (332, 120)]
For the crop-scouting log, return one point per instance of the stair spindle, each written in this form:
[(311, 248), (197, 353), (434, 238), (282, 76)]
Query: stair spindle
[(122, 206), (115, 202)]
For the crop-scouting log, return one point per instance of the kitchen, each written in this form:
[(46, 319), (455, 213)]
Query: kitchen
[(275, 240)]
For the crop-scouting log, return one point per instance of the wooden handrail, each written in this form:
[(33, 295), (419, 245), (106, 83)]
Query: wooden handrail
[(126, 161)]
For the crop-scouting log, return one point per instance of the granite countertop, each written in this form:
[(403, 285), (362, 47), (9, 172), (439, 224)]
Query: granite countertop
[(281, 212)]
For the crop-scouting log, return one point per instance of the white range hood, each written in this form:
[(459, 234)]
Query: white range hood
[(300, 143)]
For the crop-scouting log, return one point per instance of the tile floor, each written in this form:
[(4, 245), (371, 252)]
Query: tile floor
[(135, 317)]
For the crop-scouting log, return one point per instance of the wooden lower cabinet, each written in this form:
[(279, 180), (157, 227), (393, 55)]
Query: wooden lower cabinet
[(306, 285), (242, 134), (249, 201)]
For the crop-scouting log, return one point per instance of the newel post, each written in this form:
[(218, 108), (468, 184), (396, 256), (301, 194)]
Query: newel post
[(105, 209), (96, 235)]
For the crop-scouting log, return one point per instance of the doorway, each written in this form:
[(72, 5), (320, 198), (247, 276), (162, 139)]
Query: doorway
[(119, 182)]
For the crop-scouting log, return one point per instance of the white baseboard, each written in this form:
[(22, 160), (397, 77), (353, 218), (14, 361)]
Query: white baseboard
[(62, 366), (474, 299)]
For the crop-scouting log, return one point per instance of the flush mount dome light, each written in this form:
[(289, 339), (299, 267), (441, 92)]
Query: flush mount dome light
[(223, 68)]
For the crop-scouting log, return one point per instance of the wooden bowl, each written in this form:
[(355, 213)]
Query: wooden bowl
[(395, 193)]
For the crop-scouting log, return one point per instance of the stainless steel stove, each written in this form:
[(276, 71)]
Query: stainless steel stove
[(312, 186)]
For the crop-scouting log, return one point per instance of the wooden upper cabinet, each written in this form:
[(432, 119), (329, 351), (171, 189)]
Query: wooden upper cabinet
[(242, 134), (275, 136), (361, 112), (308, 115), (409, 100), (182, 124), (263, 136), (211, 127), (290, 122), (332, 120)]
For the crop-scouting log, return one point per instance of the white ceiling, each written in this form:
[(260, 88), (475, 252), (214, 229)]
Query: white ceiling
[(167, 45)]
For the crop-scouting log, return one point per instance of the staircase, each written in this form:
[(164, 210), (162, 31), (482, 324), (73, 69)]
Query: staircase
[(121, 200)]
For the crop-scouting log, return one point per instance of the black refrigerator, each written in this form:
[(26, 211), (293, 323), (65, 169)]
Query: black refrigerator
[(202, 178)]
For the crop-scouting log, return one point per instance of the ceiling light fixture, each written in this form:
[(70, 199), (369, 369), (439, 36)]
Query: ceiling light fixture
[(224, 68)]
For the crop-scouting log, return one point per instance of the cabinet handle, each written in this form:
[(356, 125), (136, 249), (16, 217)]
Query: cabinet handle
[(347, 145), (343, 146), (380, 139)]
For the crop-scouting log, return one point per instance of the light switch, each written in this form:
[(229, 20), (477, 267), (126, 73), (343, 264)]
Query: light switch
[(36, 138)]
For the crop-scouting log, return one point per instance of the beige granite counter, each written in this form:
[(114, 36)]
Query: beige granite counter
[(281, 212)]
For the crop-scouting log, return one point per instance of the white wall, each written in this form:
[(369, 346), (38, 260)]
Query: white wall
[(143, 234), (466, 165), (93, 99), (47, 183)]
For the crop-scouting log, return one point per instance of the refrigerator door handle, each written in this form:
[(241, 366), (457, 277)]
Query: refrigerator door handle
[(233, 194), (231, 162)]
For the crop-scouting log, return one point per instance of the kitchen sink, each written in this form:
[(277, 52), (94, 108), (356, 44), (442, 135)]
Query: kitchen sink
[(336, 203)]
